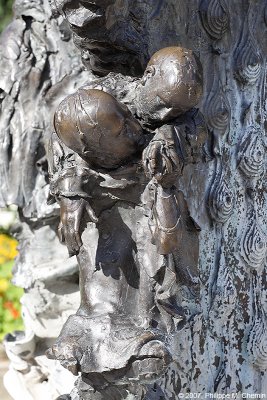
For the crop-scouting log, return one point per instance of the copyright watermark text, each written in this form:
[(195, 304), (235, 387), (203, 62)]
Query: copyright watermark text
[(221, 396)]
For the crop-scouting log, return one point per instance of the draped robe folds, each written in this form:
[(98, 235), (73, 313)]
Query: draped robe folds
[(133, 293)]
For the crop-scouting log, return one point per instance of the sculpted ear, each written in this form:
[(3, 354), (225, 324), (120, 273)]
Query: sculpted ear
[(164, 112)]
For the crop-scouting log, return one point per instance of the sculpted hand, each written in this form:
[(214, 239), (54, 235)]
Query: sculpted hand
[(160, 160), (71, 212)]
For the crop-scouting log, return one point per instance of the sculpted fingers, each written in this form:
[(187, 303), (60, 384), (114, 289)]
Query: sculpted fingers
[(72, 241), (156, 159), (60, 232), (91, 213), (78, 239), (167, 167), (151, 158), (161, 161), (70, 220), (69, 225), (145, 160)]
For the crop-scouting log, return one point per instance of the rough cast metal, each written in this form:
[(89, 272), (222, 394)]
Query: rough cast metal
[(205, 329), (120, 338)]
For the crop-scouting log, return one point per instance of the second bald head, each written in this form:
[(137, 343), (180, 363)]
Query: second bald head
[(171, 85), (98, 127)]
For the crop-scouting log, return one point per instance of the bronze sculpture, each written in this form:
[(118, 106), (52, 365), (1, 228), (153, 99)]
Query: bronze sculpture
[(98, 32), (171, 84), (97, 168), (218, 344)]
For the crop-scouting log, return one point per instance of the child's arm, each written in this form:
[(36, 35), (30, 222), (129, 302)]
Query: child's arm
[(174, 146), (162, 159), (68, 177)]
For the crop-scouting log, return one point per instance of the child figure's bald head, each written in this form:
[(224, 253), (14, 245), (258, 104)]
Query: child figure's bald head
[(98, 127), (172, 84)]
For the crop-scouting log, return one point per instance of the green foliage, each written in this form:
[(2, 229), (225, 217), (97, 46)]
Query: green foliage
[(10, 295), (5, 13)]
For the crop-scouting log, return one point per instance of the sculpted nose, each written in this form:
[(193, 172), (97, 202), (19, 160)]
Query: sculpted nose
[(100, 3), (81, 16)]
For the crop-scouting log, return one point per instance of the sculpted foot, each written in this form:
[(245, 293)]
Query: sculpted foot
[(68, 349), (68, 353)]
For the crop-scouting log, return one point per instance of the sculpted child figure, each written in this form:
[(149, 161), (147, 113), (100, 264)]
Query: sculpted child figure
[(129, 286), (103, 184), (170, 88)]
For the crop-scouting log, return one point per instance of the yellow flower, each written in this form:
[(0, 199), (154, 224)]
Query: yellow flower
[(8, 248), (4, 284)]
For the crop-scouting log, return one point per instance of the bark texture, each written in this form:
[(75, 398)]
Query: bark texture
[(222, 349)]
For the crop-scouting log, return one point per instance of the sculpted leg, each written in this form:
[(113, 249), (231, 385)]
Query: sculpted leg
[(112, 332)]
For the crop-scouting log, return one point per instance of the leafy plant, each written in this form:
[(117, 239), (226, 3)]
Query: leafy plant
[(5, 13), (10, 309)]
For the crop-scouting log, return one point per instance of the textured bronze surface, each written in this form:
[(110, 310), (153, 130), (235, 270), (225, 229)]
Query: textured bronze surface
[(171, 85), (128, 301), (170, 234), (99, 128)]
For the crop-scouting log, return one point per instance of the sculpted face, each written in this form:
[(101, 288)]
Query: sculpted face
[(102, 30), (80, 14), (171, 85), (99, 128)]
